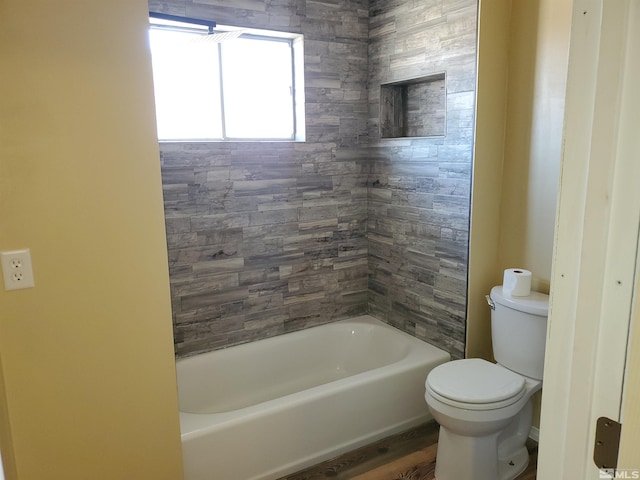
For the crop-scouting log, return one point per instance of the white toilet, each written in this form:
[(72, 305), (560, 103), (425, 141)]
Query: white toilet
[(484, 409)]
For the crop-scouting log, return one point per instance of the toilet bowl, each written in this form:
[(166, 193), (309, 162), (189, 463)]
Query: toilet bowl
[(484, 409), (485, 415)]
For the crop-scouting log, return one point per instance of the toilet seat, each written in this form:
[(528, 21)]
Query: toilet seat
[(475, 384)]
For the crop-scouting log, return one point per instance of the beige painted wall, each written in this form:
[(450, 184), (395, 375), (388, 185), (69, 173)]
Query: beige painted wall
[(522, 66), (629, 455), (88, 376), (515, 182), (538, 63), (491, 110)]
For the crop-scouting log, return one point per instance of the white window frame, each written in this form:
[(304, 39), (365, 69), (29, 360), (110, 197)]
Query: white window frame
[(295, 41)]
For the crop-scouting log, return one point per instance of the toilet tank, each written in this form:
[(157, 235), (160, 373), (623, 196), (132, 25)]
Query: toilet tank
[(519, 331)]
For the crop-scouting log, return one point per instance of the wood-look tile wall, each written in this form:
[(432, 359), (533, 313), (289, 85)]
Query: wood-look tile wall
[(265, 238), (418, 202)]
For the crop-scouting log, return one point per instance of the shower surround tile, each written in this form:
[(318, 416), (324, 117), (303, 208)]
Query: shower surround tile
[(265, 248), (419, 188), (269, 237)]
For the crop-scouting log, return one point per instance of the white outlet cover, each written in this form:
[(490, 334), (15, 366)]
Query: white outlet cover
[(16, 269)]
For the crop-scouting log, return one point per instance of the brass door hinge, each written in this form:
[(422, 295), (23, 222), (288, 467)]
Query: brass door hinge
[(605, 451)]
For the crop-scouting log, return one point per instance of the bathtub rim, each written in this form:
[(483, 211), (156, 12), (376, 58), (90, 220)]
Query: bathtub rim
[(194, 425)]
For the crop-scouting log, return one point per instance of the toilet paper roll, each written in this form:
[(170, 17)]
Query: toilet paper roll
[(516, 282)]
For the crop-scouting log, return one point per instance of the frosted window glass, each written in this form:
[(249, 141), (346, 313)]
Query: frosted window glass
[(257, 84), (231, 85), (187, 86)]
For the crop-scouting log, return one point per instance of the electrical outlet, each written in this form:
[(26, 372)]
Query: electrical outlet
[(16, 269)]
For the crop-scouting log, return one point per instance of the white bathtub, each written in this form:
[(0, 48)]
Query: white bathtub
[(268, 408)]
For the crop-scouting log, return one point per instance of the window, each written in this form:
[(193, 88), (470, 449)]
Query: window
[(230, 85)]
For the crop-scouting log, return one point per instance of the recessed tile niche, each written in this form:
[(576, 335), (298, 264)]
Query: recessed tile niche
[(413, 108)]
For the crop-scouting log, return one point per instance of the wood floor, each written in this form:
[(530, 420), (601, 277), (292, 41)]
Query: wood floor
[(406, 456)]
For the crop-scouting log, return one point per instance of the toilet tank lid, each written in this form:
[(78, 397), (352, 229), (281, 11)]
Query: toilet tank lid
[(536, 303)]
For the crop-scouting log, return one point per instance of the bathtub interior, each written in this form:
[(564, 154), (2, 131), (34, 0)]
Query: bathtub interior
[(250, 374), (335, 387)]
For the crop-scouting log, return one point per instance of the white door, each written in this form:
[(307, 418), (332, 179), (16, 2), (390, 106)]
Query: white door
[(594, 277), (629, 458)]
